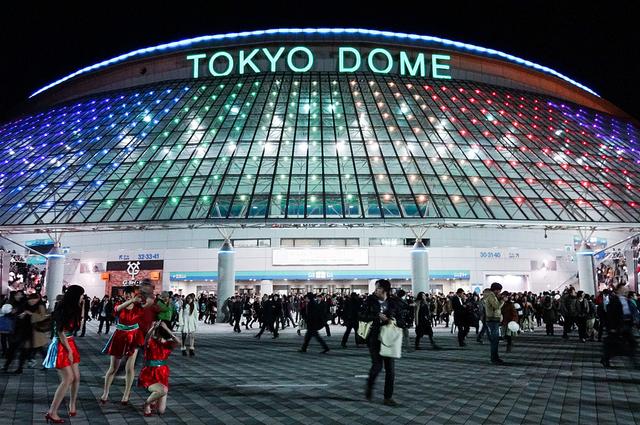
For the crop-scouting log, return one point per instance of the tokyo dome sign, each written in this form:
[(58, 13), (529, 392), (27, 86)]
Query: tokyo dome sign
[(302, 59)]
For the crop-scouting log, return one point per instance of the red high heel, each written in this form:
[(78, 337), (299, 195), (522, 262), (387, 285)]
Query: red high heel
[(48, 418), (73, 413), (103, 402), (144, 408)]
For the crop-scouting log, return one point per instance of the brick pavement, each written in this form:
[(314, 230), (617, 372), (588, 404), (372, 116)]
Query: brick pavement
[(237, 379)]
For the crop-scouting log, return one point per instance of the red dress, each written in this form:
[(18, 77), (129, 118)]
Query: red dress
[(57, 356), (155, 358), (62, 359), (128, 335)]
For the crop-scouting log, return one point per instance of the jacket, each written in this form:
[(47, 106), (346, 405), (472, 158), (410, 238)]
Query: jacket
[(187, 320), (371, 313), (492, 306)]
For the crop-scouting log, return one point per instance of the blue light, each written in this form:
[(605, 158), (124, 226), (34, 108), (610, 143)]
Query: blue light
[(321, 31)]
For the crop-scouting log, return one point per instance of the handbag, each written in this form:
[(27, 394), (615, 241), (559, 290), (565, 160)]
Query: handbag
[(363, 329), (7, 324), (391, 341)]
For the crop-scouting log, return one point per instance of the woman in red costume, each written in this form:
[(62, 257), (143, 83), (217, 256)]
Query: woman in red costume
[(125, 342), (63, 353), (154, 376)]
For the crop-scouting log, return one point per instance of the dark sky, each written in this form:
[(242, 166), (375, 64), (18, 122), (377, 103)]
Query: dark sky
[(597, 45)]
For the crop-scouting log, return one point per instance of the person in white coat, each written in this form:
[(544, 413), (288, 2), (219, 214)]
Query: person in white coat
[(188, 324)]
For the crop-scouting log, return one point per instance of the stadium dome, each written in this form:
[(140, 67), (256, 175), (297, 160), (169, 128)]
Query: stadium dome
[(317, 125)]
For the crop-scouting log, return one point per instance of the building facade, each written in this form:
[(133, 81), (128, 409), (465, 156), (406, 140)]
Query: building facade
[(323, 154)]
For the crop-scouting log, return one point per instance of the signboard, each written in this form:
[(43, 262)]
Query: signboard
[(301, 59), (132, 273), (321, 257)]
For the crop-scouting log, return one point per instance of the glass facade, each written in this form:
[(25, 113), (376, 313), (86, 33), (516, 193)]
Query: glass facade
[(320, 145)]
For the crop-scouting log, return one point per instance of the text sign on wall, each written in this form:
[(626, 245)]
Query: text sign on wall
[(321, 257), (302, 59)]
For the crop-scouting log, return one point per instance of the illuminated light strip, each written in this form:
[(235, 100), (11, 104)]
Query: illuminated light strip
[(321, 31)]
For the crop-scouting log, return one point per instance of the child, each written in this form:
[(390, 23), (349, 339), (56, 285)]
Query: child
[(154, 376)]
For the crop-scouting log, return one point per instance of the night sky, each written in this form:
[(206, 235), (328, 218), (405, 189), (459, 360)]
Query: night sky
[(597, 45)]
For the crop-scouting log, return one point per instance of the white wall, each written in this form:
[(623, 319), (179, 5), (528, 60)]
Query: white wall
[(451, 249)]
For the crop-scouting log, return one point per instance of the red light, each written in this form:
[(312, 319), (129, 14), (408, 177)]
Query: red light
[(540, 164), (585, 183), (632, 204), (519, 200), (607, 202)]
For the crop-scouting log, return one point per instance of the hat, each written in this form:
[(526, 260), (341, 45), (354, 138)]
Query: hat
[(496, 286)]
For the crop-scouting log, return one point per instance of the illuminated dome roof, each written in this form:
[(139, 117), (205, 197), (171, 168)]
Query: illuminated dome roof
[(118, 147)]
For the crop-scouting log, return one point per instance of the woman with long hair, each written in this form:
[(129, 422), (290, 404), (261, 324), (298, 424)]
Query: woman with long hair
[(154, 376), (423, 321), (124, 342), (188, 323), (63, 353)]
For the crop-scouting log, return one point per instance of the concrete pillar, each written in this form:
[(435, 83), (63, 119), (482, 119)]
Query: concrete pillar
[(166, 282), (226, 276), (586, 270), (419, 268), (266, 287), (54, 276)]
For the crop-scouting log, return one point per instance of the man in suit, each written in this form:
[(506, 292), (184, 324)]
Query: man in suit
[(460, 318)]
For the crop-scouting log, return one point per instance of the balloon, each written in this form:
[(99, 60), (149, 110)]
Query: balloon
[(557, 297), (513, 326), (6, 309)]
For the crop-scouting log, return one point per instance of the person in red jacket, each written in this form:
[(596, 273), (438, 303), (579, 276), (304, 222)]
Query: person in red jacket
[(154, 376)]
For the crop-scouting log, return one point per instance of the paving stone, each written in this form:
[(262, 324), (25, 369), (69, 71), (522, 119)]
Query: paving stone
[(236, 379)]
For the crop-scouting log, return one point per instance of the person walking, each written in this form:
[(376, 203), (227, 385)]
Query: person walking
[(105, 314), (350, 314), (460, 316), (622, 316), (188, 324), (493, 316), (316, 320), (380, 309), (423, 321)]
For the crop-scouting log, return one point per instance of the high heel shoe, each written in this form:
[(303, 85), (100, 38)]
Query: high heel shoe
[(103, 401), (144, 409), (48, 418), (124, 402), (73, 413)]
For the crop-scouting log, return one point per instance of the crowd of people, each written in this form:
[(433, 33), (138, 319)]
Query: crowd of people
[(23, 276), (156, 323)]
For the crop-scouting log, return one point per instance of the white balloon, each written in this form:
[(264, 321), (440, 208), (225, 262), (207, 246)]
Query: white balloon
[(513, 326), (6, 309)]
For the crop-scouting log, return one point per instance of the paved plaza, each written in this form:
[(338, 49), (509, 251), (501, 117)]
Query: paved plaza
[(237, 379)]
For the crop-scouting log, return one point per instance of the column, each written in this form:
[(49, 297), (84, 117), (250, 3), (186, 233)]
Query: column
[(226, 276), (586, 270), (266, 287), (54, 276), (419, 268)]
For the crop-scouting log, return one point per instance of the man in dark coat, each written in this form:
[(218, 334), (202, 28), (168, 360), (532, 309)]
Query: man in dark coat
[(316, 320), (622, 315), (380, 308), (269, 316), (350, 314), (236, 312), (460, 316)]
